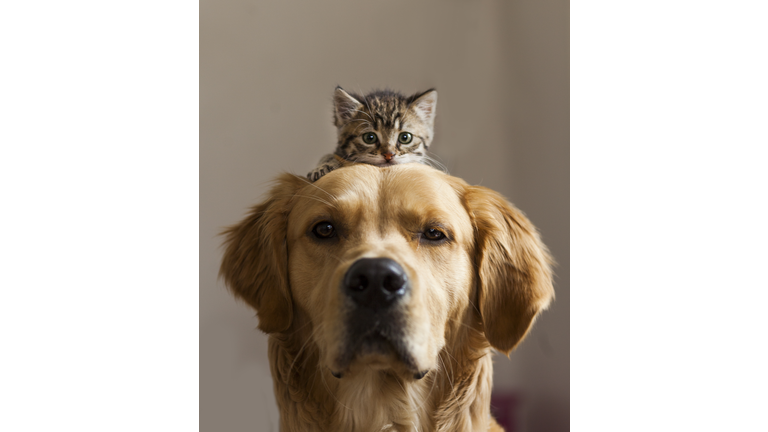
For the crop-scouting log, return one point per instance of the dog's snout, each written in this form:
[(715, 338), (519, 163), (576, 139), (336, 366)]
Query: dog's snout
[(375, 282)]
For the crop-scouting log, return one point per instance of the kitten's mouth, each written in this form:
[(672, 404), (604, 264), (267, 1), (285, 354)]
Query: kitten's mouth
[(384, 163), (381, 161)]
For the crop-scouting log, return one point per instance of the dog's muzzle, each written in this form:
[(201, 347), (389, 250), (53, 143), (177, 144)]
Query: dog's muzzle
[(374, 287)]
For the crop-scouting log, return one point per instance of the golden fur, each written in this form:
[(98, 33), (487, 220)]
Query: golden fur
[(480, 290)]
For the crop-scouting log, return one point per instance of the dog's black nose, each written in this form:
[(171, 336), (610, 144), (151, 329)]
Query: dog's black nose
[(375, 283)]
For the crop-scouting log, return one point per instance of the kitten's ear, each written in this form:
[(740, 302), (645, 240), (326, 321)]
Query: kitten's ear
[(424, 105), (344, 106)]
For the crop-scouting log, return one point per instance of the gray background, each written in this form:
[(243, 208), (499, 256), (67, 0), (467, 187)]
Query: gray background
[(267, 72)]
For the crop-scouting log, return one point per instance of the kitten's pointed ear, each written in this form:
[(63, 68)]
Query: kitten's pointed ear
[(425, 105), (344, 106)]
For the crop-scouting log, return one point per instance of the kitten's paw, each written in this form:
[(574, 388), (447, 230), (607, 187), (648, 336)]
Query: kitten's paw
[(320, 171)]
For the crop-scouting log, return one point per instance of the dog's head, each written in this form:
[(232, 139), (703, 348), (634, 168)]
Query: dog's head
[(385, 265)]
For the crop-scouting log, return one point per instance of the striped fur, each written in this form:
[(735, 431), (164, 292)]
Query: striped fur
[(387, 114)]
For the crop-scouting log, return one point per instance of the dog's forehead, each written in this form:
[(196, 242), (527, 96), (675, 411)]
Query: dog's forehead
[(345, 191), (418, 190), (402, 192)]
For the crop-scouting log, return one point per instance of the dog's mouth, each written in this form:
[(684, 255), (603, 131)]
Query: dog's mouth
[(379, 346), (375, 347), (376, 343)]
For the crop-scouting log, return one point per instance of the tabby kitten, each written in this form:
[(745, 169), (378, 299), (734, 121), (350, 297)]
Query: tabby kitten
[(382, 128)]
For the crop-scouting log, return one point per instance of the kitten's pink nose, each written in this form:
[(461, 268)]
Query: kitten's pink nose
[(387, 156)]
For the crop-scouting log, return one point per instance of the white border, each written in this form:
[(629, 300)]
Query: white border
[(668, 220), (99, 179)]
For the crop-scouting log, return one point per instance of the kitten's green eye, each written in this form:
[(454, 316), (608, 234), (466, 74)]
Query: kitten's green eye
[(370, 138), (405, 138)]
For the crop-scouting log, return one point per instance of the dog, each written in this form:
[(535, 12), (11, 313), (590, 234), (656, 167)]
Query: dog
[(384, 291)]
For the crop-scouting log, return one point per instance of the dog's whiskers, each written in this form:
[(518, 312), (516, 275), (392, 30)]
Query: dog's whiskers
[(340, 404), (426, 398), (445, 368), (298, 354), (336, 258), (464, 324)]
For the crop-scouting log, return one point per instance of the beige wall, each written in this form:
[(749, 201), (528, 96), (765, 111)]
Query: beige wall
[(267, 72)]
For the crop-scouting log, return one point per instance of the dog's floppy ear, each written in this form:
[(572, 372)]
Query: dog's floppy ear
[(514, 268), (255, 263)]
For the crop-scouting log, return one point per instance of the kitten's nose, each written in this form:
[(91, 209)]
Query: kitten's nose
[(387, 156)]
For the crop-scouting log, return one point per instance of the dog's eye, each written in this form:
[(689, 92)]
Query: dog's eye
[(324, 230), (434, 234)]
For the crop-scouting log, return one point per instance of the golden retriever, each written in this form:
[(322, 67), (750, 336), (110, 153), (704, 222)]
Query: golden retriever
[(383, 291)]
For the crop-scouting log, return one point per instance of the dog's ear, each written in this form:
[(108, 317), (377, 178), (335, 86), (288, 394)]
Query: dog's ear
[(514, 268), (255, 263)]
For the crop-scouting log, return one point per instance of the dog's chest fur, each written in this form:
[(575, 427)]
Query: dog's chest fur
[(311, 400)]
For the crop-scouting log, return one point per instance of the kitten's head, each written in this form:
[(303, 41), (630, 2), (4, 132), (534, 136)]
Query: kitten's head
[(384, 127)]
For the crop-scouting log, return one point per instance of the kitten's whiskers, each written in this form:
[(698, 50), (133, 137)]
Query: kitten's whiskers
[(434, 163), (316, 199), (331, 196)]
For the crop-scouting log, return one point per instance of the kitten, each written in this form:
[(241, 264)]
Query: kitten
[(382, 128)]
